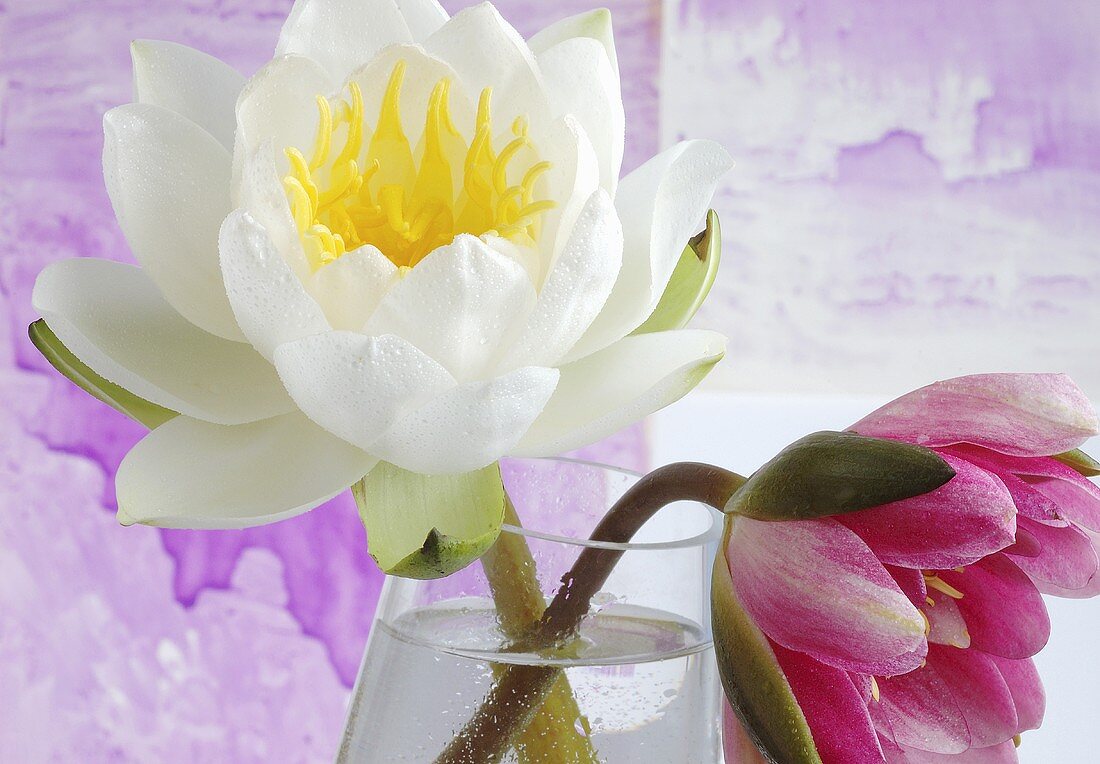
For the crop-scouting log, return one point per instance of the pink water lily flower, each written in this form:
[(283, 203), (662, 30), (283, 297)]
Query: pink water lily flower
[(1014, 426), (906, 631)]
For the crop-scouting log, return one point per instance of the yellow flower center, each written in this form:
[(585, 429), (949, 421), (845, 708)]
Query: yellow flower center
[(933, 581), (408, 203)]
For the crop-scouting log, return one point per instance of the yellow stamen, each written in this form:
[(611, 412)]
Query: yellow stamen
[(354, 141), (875, 693), (485, 114), (300, 205), (389, 146), (299, 169), (446, 113), (500, 167), (392, 199), (433, 182), (377, 190), (323, 140), (531, 178), (937, 583)]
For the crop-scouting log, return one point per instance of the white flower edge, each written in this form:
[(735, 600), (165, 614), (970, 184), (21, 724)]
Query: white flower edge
[(525, 390), (192, 474)]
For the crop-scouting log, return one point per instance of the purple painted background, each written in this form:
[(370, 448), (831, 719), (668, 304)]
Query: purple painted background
[(137, 644), (917, 192)]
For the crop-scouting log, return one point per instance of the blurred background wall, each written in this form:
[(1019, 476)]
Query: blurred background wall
[(915, 197), (917, 192)]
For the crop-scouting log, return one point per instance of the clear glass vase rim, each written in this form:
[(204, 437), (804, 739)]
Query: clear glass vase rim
[(700, 539)]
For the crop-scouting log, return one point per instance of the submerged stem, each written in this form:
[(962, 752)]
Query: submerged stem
[(519, 690), (552, 736)]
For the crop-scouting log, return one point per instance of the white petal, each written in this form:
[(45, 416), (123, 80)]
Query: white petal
[(268, 299), (576, 288), (422, 73), (661, 205), (580, 81), (424, 17), (189, 82), (168, 180), (593, 24), (356, 387), (529, 258), (460, 305), (470, 426), (574, 177), (350, 288), (192, 474), (487, 52), (606, 391), (342, 34), (262, 195), (112, 317), (279, 104)]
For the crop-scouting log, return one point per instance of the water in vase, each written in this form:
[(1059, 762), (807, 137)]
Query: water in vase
[(643, 679)]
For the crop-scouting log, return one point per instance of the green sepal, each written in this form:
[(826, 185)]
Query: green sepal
[(61, 358), (429, 526), (691, 281), (754, 683), (1081, 462), (831, 473)]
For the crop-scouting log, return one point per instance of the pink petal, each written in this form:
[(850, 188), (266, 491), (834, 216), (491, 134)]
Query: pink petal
[(814, 586), (911, 582), (1091, 589), (863, 686), (1022, 414), (946, 623), (1026, 544), (833, 708), (1078, 502), (922, 712), (1004, 612), (1067, 559), (736, 745), (959, 523), (1086, 592), (1026, 687), (1029, 502), (980, 691), (1032, 504), (1039, 466), (1005, 753), (1076, 497), (894, 753)]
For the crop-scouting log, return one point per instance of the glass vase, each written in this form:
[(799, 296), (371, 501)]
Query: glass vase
[(637, 684)]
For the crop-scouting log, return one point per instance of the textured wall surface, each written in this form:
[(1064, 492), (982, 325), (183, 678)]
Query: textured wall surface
[(917, 190), (138, 644)]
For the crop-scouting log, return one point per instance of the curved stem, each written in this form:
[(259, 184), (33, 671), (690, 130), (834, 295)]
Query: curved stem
[(556, 732), (519, 690)]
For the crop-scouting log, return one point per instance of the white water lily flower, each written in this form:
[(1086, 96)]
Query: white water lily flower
[(403, 240)]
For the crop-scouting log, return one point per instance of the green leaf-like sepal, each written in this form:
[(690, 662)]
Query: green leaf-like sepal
[(754, 683), (429, 526), (1081, 462), (831, 473), (140, 410), (691, 281)]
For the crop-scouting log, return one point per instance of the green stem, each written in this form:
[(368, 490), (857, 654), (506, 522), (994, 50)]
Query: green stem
[(552, 735), (519, 690)]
